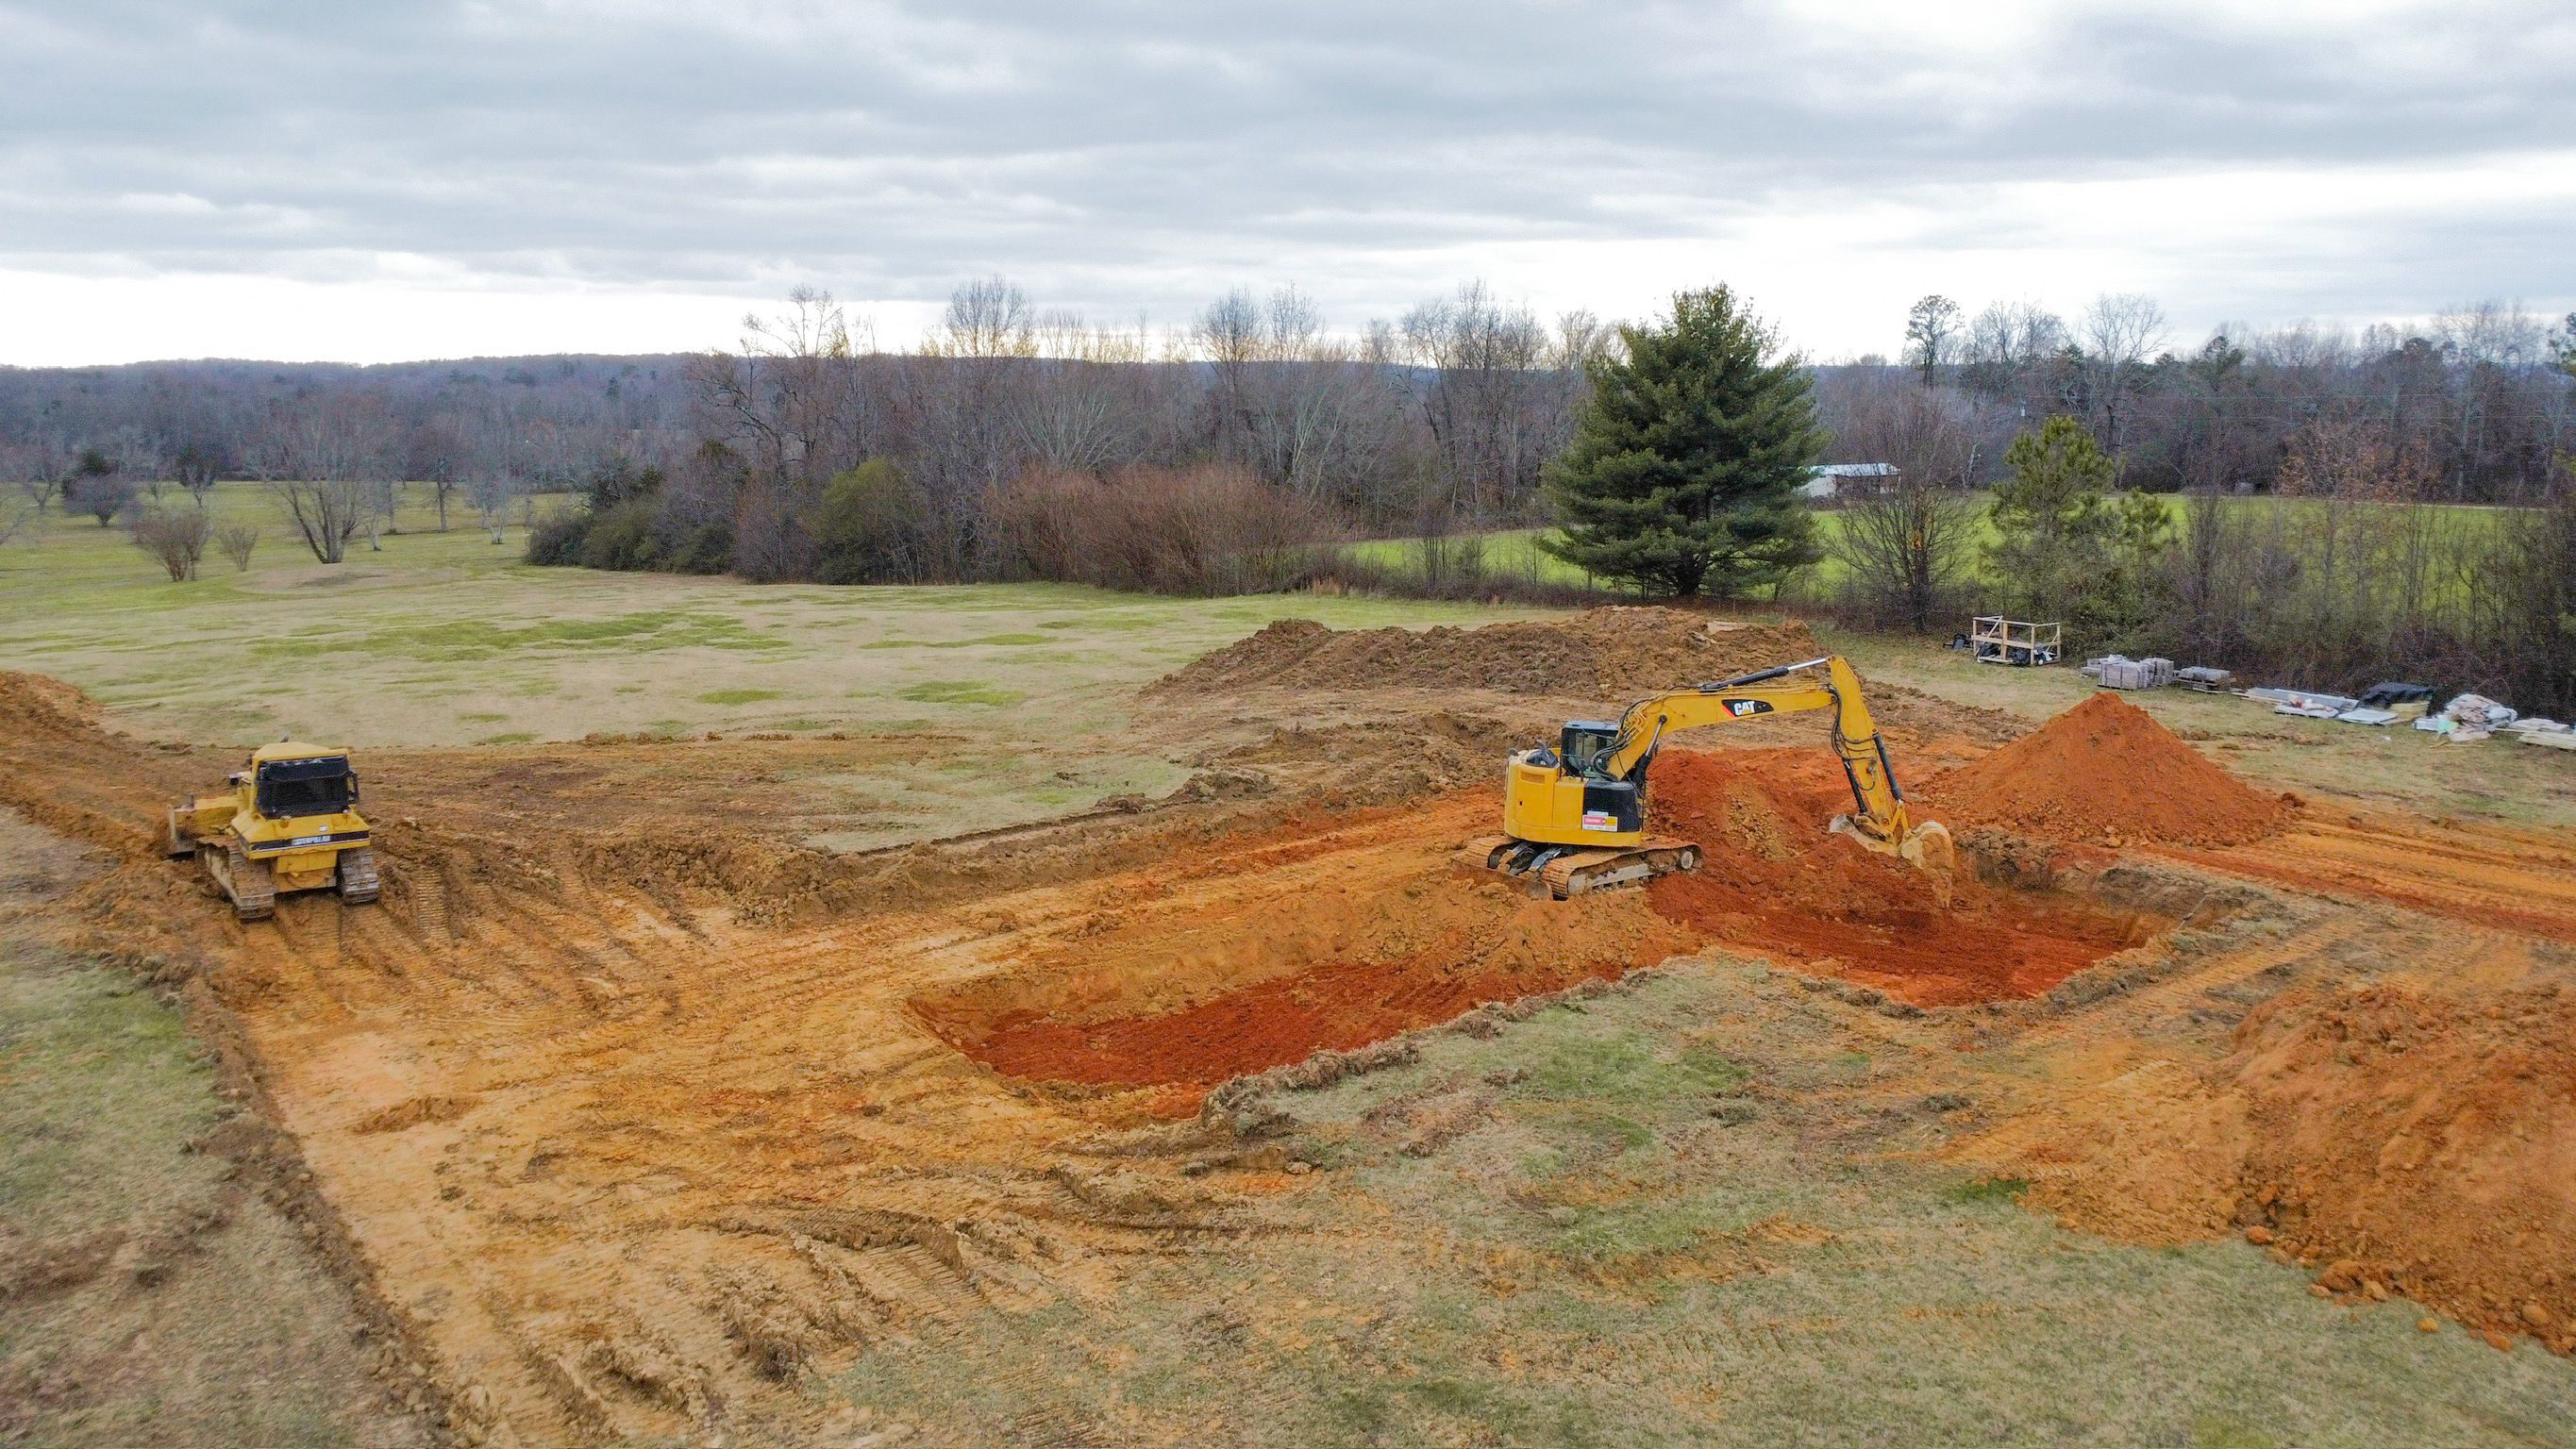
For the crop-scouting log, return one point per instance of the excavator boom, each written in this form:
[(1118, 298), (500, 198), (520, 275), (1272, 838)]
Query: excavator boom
[(1575, 815)]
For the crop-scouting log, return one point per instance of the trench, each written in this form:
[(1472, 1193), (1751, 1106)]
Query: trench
[(1263, 967)]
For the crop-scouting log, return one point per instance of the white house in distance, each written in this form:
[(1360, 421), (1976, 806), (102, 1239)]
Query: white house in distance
[(1827, 479)]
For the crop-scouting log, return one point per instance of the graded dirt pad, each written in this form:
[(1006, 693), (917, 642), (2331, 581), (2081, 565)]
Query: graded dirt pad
[(2106, 773)]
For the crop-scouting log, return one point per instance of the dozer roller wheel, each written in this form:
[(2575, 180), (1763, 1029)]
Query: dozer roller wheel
[(246, 882), (358, 880)]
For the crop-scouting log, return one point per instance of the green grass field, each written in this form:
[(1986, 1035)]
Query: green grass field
[(447, 639), (1516, 553)]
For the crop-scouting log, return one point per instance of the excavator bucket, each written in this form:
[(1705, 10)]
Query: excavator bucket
[(1926, 844)]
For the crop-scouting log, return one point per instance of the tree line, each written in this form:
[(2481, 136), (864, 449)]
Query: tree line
[(1016, 441)]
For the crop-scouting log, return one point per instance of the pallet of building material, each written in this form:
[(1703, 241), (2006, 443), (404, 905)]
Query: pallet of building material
[(2205, 679), (2304, 704), (2364, 716), (2554, 739), (2120, 672)]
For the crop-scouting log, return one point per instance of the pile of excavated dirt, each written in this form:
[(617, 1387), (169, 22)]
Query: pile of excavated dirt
[(2397, 1140), (1615, 653), (2106, 773), (1775, 881), (2422, 1142)]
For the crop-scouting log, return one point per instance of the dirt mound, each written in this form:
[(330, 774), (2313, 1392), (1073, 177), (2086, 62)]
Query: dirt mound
[(1776, 882), (2106, 773), (1614, 653), (2384, 1135), (2428, 1140)]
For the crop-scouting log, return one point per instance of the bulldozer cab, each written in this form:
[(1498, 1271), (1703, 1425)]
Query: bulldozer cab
[(319, 785)]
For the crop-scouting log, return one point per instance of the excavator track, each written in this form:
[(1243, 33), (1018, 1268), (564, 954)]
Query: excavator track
[(1569, 872), (358, 880), (246, 882)]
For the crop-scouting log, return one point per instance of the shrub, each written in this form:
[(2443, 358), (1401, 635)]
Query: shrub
[(1198, 531), (556, 541), (621, 536), (176, 537), (238, 541), (869, 528)]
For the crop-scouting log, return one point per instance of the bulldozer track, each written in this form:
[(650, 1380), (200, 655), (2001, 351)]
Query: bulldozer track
[(245, 882), (359, 881)]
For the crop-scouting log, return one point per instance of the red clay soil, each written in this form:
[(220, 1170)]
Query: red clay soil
[(2421, 1141), (1286, 1019), (1257, 973), (1775, 883), (2106, 773)]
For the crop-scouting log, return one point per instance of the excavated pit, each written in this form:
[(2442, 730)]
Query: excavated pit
[(1370, 939)]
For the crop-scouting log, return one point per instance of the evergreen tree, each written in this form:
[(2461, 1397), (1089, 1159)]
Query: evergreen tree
[(1683, 472), (2063, 551)]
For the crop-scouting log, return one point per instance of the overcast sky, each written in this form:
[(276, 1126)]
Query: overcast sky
[(381, 181)]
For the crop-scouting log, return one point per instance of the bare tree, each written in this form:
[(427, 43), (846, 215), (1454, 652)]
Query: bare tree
[(193, 468), (98, 488), (38, 465), (2120, 333), (136, 454), (174, 536), (432, 453), (1482, 356), (1910, 539), (320, 458), (1931, 334), (238, 541)]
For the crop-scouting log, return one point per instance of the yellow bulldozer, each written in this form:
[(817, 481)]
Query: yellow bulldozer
[(1574, 817), (290, 822)]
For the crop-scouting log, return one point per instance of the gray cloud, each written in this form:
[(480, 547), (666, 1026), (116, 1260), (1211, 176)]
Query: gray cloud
[(1126, 155)]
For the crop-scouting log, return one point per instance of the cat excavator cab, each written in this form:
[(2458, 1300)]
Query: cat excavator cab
[(290, 822), (1574, 816)]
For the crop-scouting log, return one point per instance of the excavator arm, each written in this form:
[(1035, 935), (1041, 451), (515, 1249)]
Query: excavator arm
[(1576, 816), (1878, 804)]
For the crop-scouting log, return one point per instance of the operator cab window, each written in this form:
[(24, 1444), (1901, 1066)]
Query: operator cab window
[(306, 787), (1584, 742)]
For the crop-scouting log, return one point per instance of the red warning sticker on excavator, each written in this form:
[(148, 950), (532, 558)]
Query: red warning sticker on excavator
[(1599, 820)]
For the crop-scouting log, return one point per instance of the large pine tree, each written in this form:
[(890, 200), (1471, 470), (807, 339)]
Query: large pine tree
[(1683, 474)]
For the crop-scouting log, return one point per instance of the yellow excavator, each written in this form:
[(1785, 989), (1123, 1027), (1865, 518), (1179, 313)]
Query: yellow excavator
[(1574, 817), (290, 822)]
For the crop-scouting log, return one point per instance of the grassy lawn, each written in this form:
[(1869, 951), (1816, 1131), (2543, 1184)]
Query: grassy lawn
[(145, 1297), (446, 639)]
